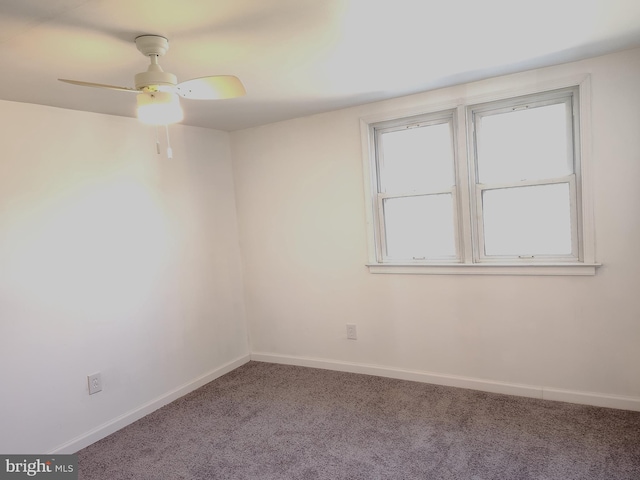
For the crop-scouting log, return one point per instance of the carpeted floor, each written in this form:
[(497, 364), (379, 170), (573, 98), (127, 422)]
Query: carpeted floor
[(267, 421)]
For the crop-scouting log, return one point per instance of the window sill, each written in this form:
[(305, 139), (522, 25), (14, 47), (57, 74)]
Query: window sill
[(540, 269)]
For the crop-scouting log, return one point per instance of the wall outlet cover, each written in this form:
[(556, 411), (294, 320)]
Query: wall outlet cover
[(95, 383), (352, 333)]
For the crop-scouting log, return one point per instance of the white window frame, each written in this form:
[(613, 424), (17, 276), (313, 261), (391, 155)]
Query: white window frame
[(439, 118), (567, 97), (468, 213)]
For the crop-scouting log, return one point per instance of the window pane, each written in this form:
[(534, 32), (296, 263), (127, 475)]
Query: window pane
[(418, 227), (417, 159), (528, 144), (527, 220)]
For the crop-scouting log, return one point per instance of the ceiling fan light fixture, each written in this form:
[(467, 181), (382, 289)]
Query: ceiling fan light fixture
[(159, 108)]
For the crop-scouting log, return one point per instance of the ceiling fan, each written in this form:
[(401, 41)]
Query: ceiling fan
[(158, 91)]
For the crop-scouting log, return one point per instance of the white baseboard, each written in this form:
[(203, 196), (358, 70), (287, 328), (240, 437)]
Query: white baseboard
[(122, 421), (591, 398), (545, 393)]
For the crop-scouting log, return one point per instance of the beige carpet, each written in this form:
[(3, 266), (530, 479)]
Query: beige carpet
[(267, 421)]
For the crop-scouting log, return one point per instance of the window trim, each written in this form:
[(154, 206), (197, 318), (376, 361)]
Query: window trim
[(469, 262)]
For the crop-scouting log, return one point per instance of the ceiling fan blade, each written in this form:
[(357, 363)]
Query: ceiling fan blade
[(99, 85), (211, 88)]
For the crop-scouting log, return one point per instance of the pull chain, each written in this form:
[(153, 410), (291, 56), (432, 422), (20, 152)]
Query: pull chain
[(169, 149)]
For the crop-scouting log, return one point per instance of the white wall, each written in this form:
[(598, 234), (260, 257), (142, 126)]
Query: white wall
[(299, 191), (112, 259)]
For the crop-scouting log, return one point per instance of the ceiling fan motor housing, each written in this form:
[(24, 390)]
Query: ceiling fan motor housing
[(154, 76), (153, 46)]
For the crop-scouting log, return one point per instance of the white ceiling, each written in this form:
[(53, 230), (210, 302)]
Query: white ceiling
[(295, 57)]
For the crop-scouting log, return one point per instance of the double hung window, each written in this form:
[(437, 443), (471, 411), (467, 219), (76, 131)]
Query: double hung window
[(416, 197), (492, 184)]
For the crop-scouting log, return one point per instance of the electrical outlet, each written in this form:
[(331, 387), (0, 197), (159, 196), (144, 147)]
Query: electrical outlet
[(95, 383), (352, 334)]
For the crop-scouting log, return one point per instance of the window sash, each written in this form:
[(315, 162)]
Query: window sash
[(437, 118), (383, 256), (423, 121), (477, 113), (575, 255)]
